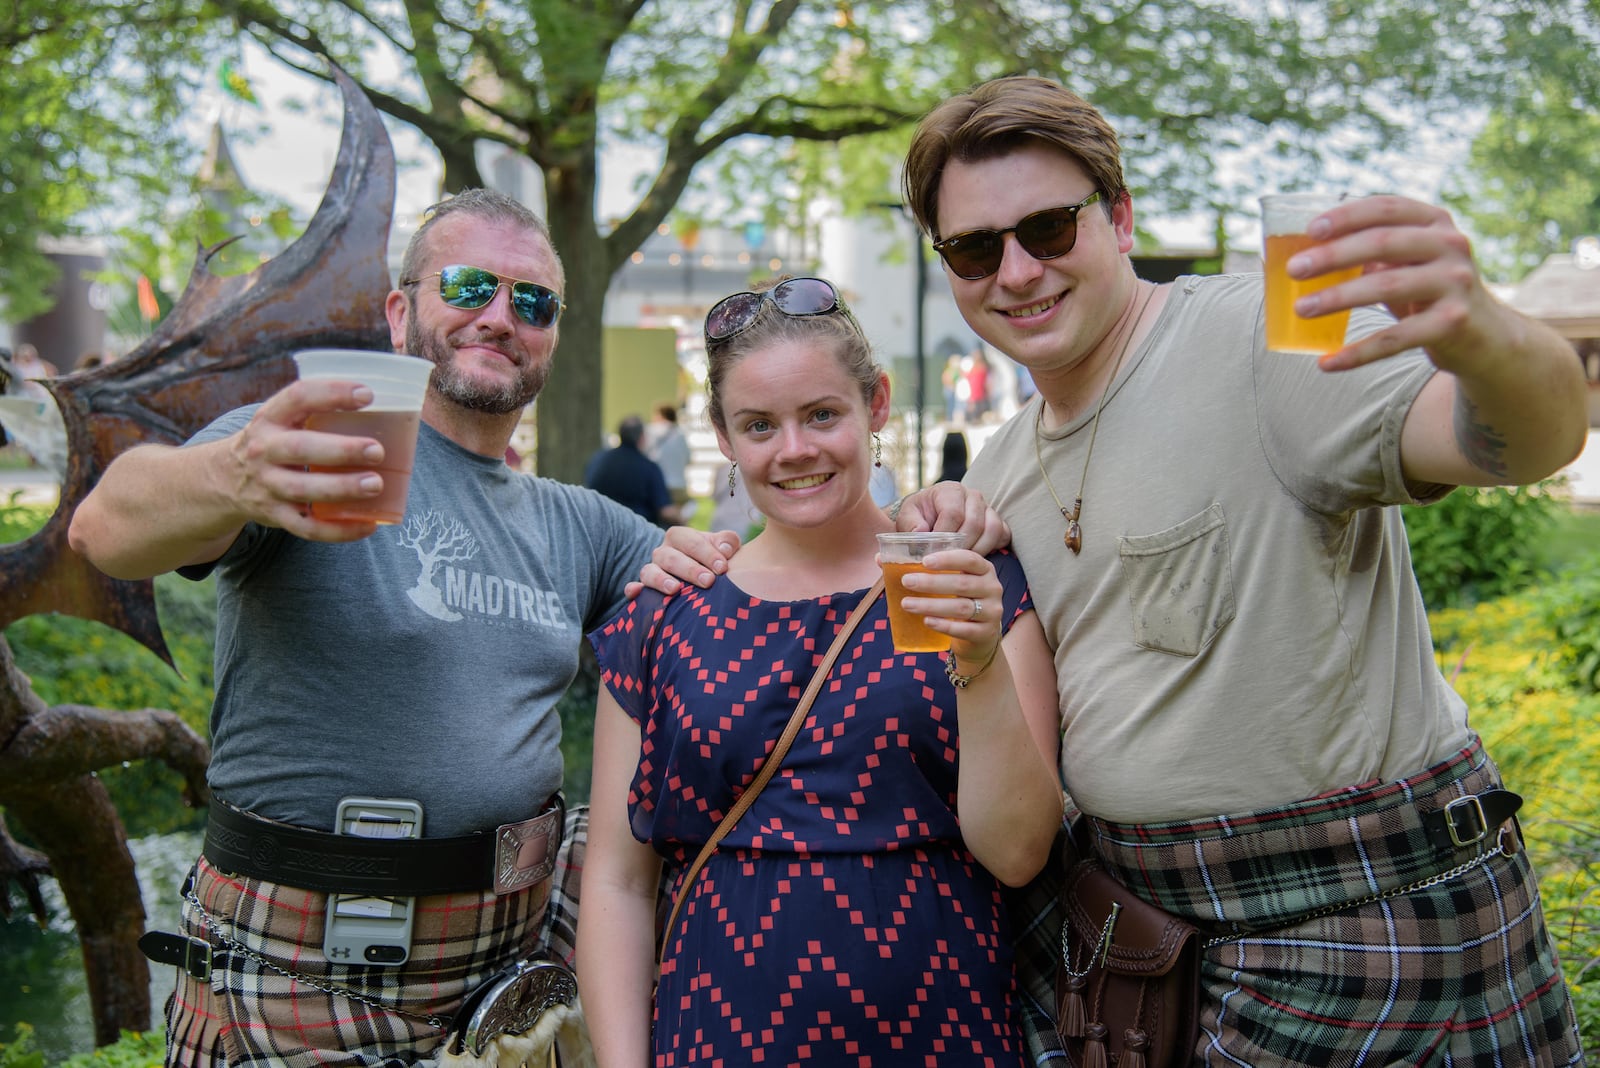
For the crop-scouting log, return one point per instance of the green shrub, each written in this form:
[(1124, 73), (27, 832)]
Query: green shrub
[(75, 661), (18, 520), (1479, 543), (1571, 609), (21, 1053), (1542, 733), (143, 1049)]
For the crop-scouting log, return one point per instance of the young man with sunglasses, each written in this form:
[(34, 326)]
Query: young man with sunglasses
[(1254, 724), (397, 681)]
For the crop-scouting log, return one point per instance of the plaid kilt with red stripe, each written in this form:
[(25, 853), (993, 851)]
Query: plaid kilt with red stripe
[(252, 1013), (1461, 973)]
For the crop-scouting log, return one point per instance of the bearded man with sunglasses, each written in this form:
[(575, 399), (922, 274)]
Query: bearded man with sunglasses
[(1253, 722), (416, 665)]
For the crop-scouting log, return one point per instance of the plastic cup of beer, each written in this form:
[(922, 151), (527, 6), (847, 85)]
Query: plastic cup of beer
[(1284, 218), (398, 383), (898, 555)]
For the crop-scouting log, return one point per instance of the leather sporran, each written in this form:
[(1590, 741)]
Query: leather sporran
[(1127, 977)]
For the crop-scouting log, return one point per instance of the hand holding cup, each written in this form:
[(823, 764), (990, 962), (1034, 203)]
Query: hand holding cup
[(941, 596), (1285, 218), (398, 383)]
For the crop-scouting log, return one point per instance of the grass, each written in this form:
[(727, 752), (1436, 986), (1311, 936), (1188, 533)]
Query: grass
[(1572, 538)]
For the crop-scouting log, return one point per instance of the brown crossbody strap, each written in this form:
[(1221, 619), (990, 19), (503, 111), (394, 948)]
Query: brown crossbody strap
[(769, 767)]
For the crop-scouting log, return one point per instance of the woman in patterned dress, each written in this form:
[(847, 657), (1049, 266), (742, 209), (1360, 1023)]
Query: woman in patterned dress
[(853, 915)]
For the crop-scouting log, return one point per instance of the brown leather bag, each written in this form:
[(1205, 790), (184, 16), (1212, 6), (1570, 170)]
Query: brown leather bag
[(1127, 978)]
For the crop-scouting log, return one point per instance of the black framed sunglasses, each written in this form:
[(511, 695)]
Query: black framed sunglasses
[(461, 286), (796, 297), (1044, 235)]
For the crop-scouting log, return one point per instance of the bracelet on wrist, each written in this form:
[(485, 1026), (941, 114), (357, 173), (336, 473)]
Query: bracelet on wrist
[(960, 681)]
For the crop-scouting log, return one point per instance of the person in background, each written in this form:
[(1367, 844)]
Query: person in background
[(853, 914), (950, 381), (953, 457), (629, 477), (977, 377), (28, 367), (1025, 386), (1255, 726), (666, 444)]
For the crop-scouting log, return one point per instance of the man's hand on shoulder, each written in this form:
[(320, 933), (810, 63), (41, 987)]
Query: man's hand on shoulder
[(953, 506), (686, 555)]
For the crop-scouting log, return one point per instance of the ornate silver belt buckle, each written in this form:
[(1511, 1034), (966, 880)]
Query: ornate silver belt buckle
[(525, 853)]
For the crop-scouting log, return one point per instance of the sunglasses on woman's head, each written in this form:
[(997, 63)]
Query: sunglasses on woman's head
[(795, 297), (1044, 235), (466, 287)]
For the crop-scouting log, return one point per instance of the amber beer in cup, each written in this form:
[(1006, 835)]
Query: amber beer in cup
[(398, 383), (898, 555), (1284, 218)]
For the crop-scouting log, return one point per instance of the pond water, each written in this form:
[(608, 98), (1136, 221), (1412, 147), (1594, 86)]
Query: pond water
[(41, 969)]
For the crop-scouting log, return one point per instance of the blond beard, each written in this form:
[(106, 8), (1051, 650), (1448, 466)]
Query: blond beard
[(455, 387)]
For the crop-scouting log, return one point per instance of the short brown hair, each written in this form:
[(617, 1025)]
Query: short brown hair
[(998, 117), (486, 204)]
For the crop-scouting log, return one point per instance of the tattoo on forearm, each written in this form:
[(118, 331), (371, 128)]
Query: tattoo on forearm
[(1483, 447)]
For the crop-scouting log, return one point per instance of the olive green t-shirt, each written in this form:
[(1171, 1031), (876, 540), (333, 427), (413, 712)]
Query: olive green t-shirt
[(1242, 628)]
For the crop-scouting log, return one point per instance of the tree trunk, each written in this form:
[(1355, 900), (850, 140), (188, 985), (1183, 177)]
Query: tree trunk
[(77, 827), (568, 412)]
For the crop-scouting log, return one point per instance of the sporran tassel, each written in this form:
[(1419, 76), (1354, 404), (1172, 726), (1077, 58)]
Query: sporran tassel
[(1094, 1046), (1134, 1043), (1072, 1011)]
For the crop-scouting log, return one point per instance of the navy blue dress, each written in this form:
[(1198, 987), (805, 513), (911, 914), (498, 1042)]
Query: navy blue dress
[(842, 921)]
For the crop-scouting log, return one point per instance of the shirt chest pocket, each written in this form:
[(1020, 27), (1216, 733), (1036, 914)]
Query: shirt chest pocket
[(1180, 583)]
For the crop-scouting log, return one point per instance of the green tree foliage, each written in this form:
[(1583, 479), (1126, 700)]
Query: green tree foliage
[(780, 108), (90, 107), (1479, 543), (760, 86), (1533, 180), (97, 138)]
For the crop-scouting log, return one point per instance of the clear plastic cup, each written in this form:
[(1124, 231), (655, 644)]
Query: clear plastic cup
[(398, 383), (900, 554), (1284, 218)]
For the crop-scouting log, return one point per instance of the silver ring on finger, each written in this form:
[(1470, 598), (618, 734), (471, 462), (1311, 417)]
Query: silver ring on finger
[(977, 610)]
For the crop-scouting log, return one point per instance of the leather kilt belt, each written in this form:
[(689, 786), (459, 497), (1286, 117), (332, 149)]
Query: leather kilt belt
[(509, 858)]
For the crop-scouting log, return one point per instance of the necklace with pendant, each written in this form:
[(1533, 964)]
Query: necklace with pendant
[(1073, 539)]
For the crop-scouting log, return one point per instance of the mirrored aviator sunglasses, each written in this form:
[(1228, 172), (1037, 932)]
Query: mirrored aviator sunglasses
[(1044, 235), (461, 286), (797, 297)]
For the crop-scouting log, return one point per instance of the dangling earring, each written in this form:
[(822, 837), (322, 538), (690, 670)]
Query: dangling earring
[(877, 451), (731, 469)]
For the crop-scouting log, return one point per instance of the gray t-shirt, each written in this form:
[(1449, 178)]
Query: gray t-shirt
[(423, 662), (1242, 628)]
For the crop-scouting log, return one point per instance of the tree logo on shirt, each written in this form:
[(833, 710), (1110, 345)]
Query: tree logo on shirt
[(437, 541)]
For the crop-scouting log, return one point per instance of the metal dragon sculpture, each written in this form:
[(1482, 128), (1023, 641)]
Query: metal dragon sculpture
[(227, 342)]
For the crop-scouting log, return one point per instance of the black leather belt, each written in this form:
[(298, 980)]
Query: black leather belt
[(1468, 820), (506, 859), (193, 955)]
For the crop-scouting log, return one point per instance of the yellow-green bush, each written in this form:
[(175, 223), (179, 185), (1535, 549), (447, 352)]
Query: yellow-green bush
[(1542, 731)]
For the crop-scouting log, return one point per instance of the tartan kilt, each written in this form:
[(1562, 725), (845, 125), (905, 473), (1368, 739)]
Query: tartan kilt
[(251, 1013), (1461, 973)]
